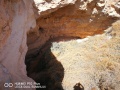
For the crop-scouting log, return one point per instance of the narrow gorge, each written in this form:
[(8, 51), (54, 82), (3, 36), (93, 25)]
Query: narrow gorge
[(61, 44)]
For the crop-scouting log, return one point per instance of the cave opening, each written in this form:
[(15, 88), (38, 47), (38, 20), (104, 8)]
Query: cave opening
[(64, 24), (43, 67)]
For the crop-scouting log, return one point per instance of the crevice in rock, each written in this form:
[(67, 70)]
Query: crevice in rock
[(44, 68)]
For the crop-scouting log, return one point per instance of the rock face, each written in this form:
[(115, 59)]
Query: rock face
[(17, 18), (5, 21), (72, 18), (47, 19)]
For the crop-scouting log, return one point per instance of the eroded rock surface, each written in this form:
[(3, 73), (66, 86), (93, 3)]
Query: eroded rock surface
[(17, 18), (47, 19), (76, 18), (5, 21)]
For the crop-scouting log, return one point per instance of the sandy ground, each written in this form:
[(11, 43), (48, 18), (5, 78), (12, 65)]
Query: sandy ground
[(93, 61)]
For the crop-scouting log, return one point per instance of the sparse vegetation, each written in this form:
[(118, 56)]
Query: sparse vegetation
[(95, 63)]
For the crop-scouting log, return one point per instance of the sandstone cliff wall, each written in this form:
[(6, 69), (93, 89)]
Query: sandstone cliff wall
[(17, 18), (47, 19)]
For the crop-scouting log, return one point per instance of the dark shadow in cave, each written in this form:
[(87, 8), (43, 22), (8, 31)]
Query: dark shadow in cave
[(41, 29), (43, 67)]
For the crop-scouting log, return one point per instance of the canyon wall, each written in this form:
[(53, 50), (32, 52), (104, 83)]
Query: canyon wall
[(17, 18), (72, 18), (43, 20)]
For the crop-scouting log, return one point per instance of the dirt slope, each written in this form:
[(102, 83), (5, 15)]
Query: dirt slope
[(93, 61)]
